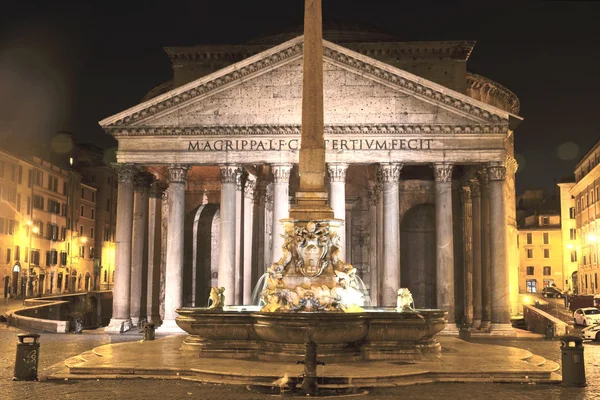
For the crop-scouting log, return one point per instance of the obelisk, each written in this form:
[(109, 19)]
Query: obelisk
[(311, 198)]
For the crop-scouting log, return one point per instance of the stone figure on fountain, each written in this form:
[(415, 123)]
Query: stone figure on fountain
[(310, 276)]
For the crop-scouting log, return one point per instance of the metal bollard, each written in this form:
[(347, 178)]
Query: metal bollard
[(26, 362), (149, 331), (573, 367)]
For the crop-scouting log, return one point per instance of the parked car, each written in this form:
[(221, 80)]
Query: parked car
[(591, 332), (551, 291), (586, 316)]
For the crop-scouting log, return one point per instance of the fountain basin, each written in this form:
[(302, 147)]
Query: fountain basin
[(377, 334)]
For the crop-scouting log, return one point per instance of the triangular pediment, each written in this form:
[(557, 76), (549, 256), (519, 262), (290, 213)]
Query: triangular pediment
[(266, 90)]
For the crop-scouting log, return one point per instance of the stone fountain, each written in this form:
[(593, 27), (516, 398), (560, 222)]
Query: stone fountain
[(311, 296)]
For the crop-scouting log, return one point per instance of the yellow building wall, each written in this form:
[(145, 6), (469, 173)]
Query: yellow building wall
[(538, 261)]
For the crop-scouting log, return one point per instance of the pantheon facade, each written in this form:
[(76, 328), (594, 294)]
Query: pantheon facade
[(420, 166)]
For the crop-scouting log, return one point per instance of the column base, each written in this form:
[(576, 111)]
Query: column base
[(155, 319), (475, 324), (502, 330), (170, 326), (484, 326), (135, 321), (118, 325), (450, 330)]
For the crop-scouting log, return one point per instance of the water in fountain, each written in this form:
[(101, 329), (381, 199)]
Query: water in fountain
[(260, 286), (364, 290)]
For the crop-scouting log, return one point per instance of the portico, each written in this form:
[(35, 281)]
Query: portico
[(403, 150)]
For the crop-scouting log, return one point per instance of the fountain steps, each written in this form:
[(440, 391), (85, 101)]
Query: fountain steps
[(460, 361)]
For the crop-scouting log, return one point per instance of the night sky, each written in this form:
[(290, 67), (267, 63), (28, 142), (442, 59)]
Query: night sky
[(65, 65)]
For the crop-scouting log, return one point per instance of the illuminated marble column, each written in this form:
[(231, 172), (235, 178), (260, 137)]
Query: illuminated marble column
[(239, 212), (467, 252), (248, 229), (259, 244), (374, 195), (154, 250), (281, 206), (120, 321), (337, 197), (476, 246), (444, 242), (141, 187), (390, 173), (500, 293), (486, 305), (268, 228), (174, 272), (227, 243)]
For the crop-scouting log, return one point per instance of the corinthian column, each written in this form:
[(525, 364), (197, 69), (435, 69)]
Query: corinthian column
[(248, 229), (174, 272), (486, 305), (499, 253), (476, 234), (154, 250), (142, 183), (239, 212), (374, 195), (120, 321), (445, 242), (390, 174), (281, 206), (227, 243), (337, 196), (468, 251)]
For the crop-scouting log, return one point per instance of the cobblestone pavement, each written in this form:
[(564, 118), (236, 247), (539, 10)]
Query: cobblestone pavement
[(56, 348)]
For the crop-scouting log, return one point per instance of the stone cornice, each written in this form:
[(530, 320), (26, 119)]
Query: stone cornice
[(456, 50), (291, 50), (270, 130), (489, 88)]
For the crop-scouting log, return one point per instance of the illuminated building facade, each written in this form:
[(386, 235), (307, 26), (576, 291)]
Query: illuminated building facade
[(586, 193), (47, 228), (420, 161)]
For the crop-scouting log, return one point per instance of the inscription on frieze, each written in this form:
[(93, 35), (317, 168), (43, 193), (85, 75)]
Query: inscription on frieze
[(294, 144)]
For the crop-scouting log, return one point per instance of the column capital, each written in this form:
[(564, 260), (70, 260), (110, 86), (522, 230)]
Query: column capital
[(157, 189), (337, 172), (142, 181), (482, 177), (475, 188), (465, 192), (250, 187), (229, 173), (239, 180), (511, 165), (178, 173), (442, 172), (281, 172), (390, 172), (125, 171), (496, 172)]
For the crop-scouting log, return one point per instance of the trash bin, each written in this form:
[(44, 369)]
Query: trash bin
[(573, 367), (149, 333), (26, 362)]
